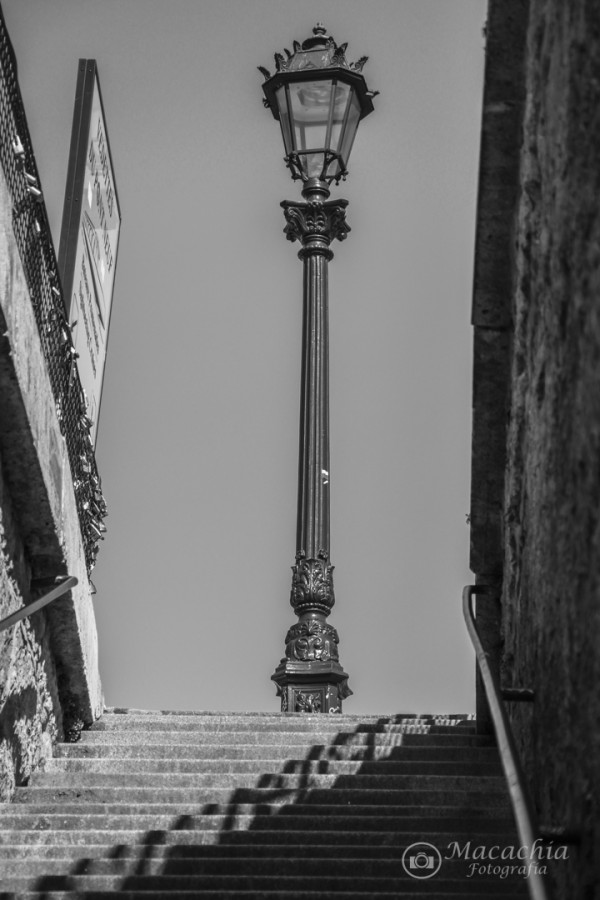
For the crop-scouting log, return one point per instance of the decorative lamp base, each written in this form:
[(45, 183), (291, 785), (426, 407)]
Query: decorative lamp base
[(313, 687)]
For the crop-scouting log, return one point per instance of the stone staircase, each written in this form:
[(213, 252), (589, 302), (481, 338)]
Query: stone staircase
[(225, 805)]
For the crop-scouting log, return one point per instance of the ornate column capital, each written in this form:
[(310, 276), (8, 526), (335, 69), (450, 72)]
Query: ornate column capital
[(312, 585), (315, 223)]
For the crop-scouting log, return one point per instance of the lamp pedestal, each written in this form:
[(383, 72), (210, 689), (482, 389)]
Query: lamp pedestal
[(310, 678), (320, 689)]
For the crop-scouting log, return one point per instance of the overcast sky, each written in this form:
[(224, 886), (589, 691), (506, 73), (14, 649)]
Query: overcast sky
[(198, 434)]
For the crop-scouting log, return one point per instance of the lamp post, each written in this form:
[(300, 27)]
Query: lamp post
[(319, 99)]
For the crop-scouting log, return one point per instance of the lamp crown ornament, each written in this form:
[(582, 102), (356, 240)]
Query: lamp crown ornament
[(333, 55)]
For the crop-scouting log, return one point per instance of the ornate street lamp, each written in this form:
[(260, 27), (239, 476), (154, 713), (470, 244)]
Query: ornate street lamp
[(319, 99)]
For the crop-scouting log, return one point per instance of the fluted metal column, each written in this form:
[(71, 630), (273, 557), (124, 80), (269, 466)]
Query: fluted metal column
[(312, 531), (310, 677)]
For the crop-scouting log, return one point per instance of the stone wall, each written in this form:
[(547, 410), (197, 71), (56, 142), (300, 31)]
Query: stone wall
[(492, 319), (552, 513), (543, 446), (29, 705), (49, 681)]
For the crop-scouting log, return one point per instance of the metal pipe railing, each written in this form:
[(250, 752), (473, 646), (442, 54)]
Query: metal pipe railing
[(62, 588), (525, 817)]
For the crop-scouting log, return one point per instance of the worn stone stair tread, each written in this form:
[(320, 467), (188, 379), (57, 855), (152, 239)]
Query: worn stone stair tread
[(321, 882), (132, 712), (252, 753), (353, 822), (59, 824), (285, 732), (358, 865), (382, 767), (306, 806), (215, 889), (366, 819), (273, 797), (355, 781), (26, 829), (288, 739), (302, 733), (183, 723), (194, 750), (413, 894), (379, 845), (257, 715), (294, 837)]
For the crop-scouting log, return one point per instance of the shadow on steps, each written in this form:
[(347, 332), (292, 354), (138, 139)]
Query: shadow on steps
[(272, 840)]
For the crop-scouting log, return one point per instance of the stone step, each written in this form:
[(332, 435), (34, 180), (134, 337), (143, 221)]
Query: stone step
[(271, 714), (337, 834), (372, 845), (329, 724), (303, 729), (287, 739), (322, 883), (383, 767), (451, 891), (247, 752), (357, 865), (306, 806), (309, 819), (268, 796), (227, 872), (268, 781)]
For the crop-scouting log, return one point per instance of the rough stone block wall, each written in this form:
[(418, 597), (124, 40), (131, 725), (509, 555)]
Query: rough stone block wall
[(29, 706), (551, 596)]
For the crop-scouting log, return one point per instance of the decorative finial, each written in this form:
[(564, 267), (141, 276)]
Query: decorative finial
[(319, 29)]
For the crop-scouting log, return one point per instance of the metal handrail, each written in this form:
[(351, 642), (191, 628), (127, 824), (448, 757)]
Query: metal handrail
[(520, 799), (66, 585)]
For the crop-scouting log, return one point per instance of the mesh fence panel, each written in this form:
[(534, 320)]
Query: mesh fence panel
[(36, 249)]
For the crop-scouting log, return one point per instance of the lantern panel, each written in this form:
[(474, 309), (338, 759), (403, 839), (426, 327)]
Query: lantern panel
[(284, 119), (340, 107), (350, 127), (310, 103)]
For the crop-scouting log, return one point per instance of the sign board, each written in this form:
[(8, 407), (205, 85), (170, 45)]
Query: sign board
[(89, 237)]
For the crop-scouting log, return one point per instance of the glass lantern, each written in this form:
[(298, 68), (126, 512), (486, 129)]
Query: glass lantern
[(319, 99)]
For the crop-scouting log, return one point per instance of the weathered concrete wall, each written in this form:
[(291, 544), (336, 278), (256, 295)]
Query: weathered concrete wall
[(51, 678), (551, 597)]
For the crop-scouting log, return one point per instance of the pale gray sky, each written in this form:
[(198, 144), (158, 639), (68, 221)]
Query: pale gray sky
[(198, 436)]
